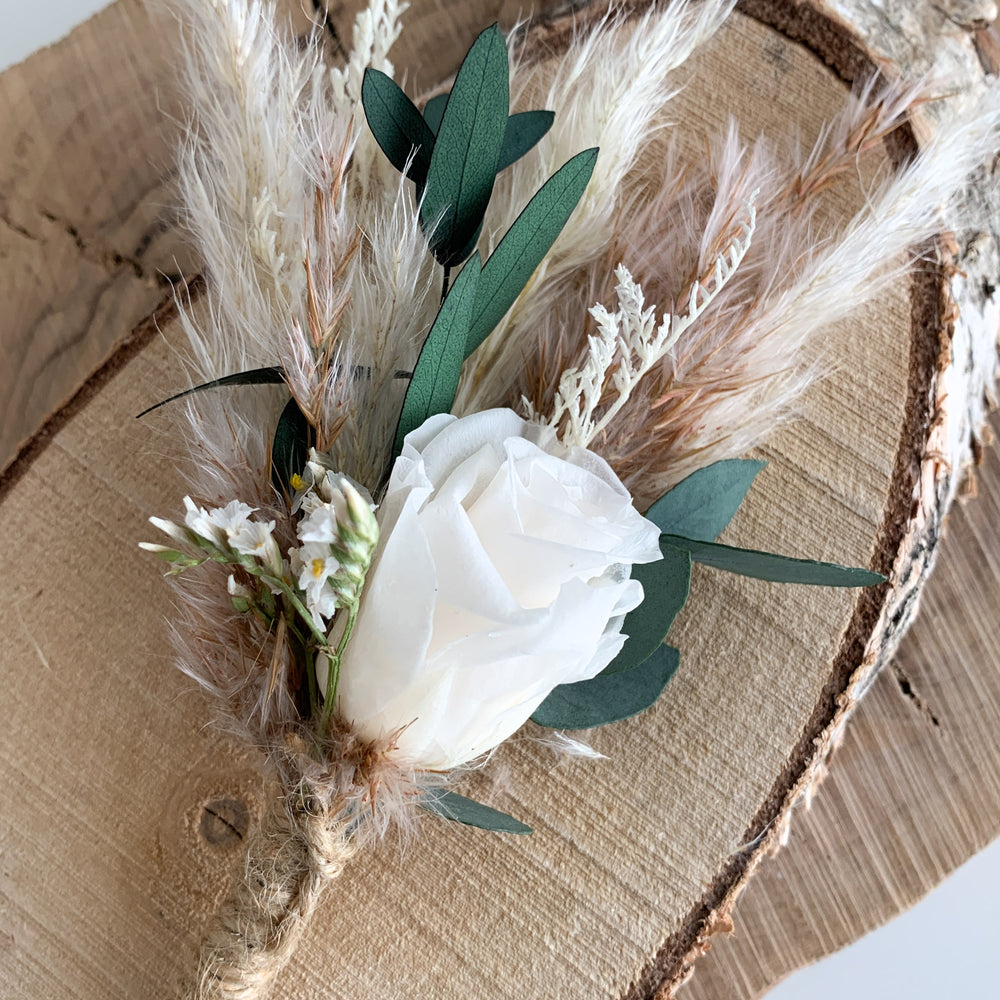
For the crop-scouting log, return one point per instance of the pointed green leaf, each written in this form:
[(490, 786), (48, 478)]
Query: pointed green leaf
[(609, 697), (435, 377), (460, 809), (527, 241), (768, 566), (434, 110), (665, 587), (293, 437), (258, 376), (275, 375), (523, 131), (397, 125), (702, 505), (467, 148)]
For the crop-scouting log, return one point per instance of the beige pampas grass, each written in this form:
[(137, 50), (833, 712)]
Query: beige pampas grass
[(739, 368), (609, 90), (668, 328), (307, 270)]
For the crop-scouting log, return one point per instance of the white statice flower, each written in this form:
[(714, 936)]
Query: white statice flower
[(256, 538), (501, 572), (315, 567), (338, 533), (219, 524), (319, 524)]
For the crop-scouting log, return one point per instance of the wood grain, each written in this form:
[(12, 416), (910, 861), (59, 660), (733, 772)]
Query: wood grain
[(88, 240), (111, 876), (911, 793)]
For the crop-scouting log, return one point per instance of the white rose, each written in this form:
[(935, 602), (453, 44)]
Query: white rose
[(501, 572)]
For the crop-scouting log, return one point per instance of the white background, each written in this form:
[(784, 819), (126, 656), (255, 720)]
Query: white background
[(946, 947)]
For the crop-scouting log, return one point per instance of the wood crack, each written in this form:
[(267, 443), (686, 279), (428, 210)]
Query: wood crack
[(908, 691), (110, 259), (90, 249)]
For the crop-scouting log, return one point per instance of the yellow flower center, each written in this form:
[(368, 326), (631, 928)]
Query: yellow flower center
[(298, 483), (318, 565)]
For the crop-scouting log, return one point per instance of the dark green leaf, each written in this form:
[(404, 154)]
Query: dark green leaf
[(527, 241), (467, 148), (767, 566), (609, 697), (665, 589), (463, 810), (433, 111), (258, 376), (523, 131), (702, 505), (274, 375), (293, 438), (435, 377), (471, 245), (397, 125)]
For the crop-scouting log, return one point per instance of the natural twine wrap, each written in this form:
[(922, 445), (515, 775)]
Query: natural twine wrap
[(302, 843)]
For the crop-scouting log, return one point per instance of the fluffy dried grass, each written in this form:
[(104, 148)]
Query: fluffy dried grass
[(315, 261)]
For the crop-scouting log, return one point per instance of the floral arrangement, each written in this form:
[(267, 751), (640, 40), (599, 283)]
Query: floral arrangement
[(439, 487)]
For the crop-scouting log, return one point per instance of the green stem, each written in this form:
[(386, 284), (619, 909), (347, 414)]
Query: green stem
[(333, 674), (293, 599), (311, 678)]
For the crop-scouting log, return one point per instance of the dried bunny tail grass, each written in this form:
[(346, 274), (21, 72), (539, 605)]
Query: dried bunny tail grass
[(292, 248), (740, 368), (394, 297), (610, 89), (243, 180), (762, 329), (376, 29)]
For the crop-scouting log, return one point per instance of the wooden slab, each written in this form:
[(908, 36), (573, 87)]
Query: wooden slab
[(583, 909)]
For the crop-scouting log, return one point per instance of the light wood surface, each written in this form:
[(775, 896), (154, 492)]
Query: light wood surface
[(119, 855), (912, 792)]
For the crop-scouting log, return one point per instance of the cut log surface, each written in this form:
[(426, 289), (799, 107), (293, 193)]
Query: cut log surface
[(131, 811)]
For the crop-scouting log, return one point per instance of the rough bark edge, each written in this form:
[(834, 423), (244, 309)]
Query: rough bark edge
[(904, 550), (133, 343)]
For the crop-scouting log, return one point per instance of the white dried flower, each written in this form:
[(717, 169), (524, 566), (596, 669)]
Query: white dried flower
[(316, 568), (502, 573), (256, 538), (219, 524)]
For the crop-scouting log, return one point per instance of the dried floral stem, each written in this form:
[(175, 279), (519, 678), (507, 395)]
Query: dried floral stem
[(298, 849), (330, 697), (628, 337)]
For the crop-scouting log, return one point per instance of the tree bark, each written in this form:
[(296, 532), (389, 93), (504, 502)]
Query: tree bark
[(637, 862)]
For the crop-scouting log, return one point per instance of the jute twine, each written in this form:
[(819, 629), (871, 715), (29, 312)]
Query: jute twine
[(301, 845)]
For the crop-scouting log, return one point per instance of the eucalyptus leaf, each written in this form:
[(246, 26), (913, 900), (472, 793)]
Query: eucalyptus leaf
[(433, 111), (768, 566), (665, 587), (274, 375), (523, 131), (460, 809), (463, 162), (435, 378), (398, 127), (293, 438), (609, 697), (527, 241), (700, 506)]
